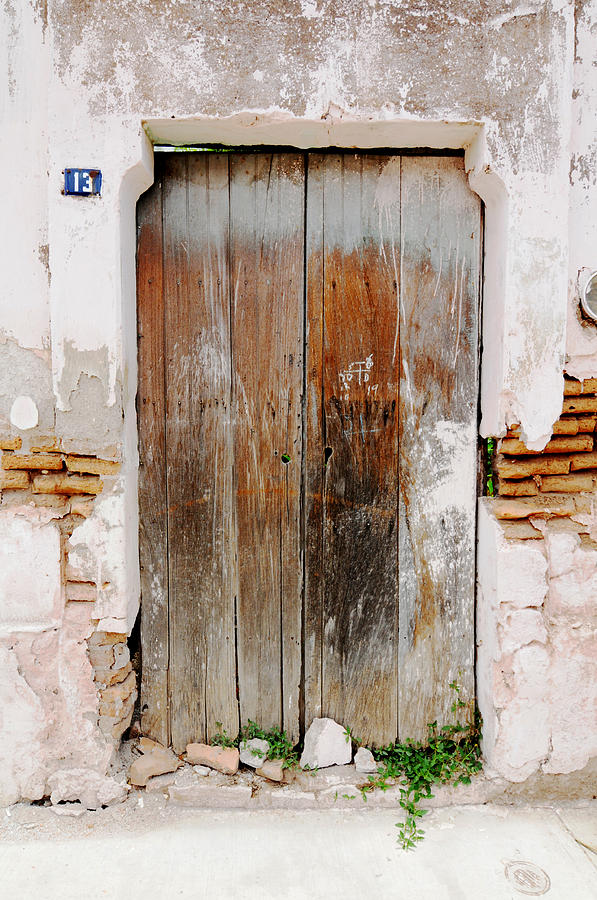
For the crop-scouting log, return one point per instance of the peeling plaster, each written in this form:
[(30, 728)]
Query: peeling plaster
[(96, 554), (516, 90), (537, 651), (25, 372)]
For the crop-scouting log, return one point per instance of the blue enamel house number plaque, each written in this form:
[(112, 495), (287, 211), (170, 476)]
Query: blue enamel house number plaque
[(84, 182)]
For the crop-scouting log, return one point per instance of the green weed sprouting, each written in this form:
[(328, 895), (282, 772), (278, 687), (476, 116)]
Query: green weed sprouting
[(452, 755), (280, 746), (489, 457)]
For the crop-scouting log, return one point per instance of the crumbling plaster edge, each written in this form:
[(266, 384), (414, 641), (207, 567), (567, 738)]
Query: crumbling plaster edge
[(136, 179)]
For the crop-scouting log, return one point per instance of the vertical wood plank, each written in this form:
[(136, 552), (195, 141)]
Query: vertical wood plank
[(441, 234), (314, 462), (202, 664), (360, 393), (153, 543), (267, 253)]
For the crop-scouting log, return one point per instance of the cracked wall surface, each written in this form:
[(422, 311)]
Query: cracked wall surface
[(92, 84)]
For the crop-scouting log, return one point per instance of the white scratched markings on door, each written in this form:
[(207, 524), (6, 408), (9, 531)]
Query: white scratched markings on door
[(356, 373)]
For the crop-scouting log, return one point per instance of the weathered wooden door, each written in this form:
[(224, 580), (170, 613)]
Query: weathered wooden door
[(307, 413)]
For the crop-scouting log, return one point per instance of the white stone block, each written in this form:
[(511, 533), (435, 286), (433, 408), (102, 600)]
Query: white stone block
[(560, 552), (521, 627), (30, 586), (253, 752), (521, 575), (22, 730), (326, 744), (523, 739), (87, 786), (364, 761)]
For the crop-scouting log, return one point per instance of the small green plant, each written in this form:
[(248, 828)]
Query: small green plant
[(222, 739), (452, 754), (280, 746), (489, 458), (348, 734)]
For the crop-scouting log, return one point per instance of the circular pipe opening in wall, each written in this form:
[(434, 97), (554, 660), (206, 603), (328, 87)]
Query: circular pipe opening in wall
[(588, 297)]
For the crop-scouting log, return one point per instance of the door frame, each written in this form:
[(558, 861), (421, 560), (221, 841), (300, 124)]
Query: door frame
[(427, 151), (256, 129)]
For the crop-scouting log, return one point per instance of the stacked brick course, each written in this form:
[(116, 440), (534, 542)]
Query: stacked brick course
[(69, 483), (556, 484)]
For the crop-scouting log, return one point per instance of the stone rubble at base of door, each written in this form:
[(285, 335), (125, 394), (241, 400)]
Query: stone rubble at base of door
[(209, 776), (327, 746)]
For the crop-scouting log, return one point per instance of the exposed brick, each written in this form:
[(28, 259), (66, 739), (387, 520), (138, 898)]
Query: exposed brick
[(14, 481), (572, 387), (583, 461), (122, 655), (47, 444), (118, 730), (536, 465), (568, 526), (82, 506), (583, 504), (67, 484), (31, 461), (565, 425), (107, 677), (570, 484), (526, 487), (569, 425), (10, 443), (101, 657), (586, 423), (114, 698), (521, 531), (544, 504), (579, 405), (564, 444), (52, 501), (106, 638), (81, 591), (91, 465)]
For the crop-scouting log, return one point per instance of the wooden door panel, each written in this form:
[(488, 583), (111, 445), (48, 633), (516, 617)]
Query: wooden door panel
[(153, 502), (440, 264), (308, 449), (266, 264), (199, 449), (353, 291)]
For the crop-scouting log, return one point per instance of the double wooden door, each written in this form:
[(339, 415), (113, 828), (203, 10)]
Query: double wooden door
[(307, 411)]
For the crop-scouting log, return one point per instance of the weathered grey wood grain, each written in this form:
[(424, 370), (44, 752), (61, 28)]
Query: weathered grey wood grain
[(153, 539), (359, 386), (266, 260), (202, 659), (441, 235), (222, 327), (314, 458)]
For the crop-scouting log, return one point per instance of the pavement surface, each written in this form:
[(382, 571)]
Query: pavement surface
[(154, 851)]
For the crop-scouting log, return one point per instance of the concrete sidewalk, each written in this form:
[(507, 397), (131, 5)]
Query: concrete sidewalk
[(157, 852)]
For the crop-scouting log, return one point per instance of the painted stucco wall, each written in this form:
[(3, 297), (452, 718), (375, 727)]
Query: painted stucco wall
[(92, 84)]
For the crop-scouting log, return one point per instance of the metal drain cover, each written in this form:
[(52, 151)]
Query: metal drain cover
[(526, 877)]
